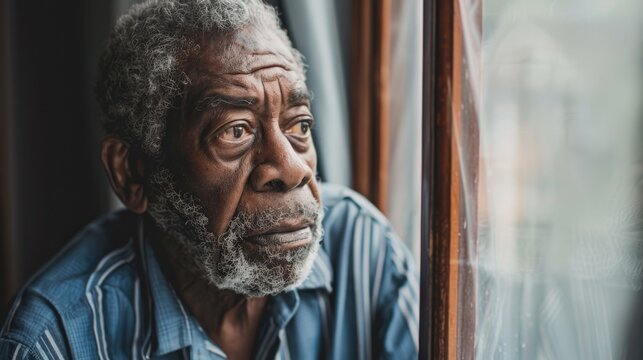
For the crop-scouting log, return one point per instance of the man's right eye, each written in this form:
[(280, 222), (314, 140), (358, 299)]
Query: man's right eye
[(236, 133)]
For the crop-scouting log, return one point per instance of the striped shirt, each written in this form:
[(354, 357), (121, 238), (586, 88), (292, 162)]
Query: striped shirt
[(105, 297)]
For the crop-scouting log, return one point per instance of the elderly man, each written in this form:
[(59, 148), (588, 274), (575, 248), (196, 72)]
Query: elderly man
[(229, 246)]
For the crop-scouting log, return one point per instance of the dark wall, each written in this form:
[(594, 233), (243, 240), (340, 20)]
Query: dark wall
[(52, 176), (4, 228)]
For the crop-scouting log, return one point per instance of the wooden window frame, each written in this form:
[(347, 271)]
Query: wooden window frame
[(449, 148), (370, 98)]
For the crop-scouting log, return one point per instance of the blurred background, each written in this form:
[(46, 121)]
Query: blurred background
[(360, 53)]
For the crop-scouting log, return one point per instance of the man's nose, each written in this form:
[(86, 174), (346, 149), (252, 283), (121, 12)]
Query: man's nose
[(281, 168)]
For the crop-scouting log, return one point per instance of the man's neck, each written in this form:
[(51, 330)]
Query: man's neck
[(231, 320)]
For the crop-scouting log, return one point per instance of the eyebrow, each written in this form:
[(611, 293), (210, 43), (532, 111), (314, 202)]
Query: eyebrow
[(300, 96), (297, 96), (214, 101)]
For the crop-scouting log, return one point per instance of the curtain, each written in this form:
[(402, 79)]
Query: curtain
[(405, 81)]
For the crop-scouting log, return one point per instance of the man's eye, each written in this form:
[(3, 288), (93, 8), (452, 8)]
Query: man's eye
[(235, 133), (301, 128)]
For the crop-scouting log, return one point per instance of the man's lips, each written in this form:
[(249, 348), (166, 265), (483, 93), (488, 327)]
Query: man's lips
[(289, 238)]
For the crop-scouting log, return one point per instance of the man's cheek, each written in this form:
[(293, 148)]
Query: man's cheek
[(222, 205)]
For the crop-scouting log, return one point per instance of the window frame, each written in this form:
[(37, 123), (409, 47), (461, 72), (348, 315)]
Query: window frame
[(449, 148)]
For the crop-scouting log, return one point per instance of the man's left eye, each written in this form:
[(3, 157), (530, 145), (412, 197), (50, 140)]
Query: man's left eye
[(301, 128)]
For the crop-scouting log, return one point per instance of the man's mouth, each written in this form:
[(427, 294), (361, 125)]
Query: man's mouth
[(283, 238)]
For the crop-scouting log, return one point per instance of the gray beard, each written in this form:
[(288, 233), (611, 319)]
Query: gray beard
[(221, 260)]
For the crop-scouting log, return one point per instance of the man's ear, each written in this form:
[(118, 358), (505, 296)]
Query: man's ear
[(125, 171)]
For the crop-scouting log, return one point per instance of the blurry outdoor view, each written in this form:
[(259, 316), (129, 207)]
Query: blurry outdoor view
[(559, 245)]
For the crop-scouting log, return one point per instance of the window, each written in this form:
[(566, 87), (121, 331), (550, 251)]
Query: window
[(531, 179)]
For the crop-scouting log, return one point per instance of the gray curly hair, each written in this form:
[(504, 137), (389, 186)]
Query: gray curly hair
[(141, 72)]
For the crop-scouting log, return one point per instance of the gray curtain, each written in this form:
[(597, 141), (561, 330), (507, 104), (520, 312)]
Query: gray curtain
[(405, 116)]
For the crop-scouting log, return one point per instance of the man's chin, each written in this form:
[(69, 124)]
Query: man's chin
[(271, 269)]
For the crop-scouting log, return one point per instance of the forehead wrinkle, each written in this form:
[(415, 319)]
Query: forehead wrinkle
[(213, 80), (256, 69), (273, 102), (273, 69), (285, 94), (211, 85), (217, 100), (237, 58)]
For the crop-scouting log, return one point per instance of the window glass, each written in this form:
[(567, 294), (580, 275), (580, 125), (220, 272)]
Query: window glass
[(558, 244)]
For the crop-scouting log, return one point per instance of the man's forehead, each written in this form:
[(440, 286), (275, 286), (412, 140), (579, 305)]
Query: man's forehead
[(243, 52), (234, 68)]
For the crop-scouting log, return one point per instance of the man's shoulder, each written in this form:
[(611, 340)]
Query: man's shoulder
[(355, 228), (65, 277), (57, 292), (373, 269)]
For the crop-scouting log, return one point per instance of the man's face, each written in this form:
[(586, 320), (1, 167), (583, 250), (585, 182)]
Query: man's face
[(240, 154)]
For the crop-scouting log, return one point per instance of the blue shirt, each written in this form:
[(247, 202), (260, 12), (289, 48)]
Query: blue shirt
[(104, 297)]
